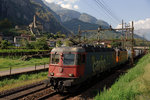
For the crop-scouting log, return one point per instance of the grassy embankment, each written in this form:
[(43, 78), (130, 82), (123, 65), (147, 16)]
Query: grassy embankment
[(5, 63), (134, 85), (22, 80)]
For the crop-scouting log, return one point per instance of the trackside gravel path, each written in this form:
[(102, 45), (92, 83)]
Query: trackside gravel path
[(21, 70)]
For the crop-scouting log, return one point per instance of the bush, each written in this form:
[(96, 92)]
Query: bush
[(58, 43), (42, 44), (4, 44)]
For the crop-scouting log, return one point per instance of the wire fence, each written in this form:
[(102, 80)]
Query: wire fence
[(14, 70)]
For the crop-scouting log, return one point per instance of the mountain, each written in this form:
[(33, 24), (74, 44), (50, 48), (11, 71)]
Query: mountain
[(41, 3), (67, 15), (73, 25), (143, 33), (21, 12), (87, 18), (72, 19)]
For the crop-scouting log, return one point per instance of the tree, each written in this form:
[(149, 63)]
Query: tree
[(30, 45), (4, 44), (42, 44), (116, 44), (58, 43), (68, 43)]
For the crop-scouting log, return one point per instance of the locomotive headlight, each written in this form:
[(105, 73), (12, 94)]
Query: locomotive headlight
[(52, 74), (71, 75)]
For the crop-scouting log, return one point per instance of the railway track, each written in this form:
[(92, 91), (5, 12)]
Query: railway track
[(38, 91), (35, 91), (23, 91)]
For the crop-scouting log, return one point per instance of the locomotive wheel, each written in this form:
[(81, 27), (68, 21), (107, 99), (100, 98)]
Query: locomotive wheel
[(60, 89)]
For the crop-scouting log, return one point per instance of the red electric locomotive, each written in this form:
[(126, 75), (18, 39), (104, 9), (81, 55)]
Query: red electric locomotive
[(71, 66), (67, 64)]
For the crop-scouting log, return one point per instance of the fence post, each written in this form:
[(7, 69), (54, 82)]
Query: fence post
[(35, 67), (10, 70)]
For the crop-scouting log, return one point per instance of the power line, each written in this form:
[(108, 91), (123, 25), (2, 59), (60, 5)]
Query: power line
[(97, 10), (107, 11), (105, 8), (110, 10), (103, 11)]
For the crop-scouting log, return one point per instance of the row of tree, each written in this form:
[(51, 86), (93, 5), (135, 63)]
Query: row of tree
[(40, 44)]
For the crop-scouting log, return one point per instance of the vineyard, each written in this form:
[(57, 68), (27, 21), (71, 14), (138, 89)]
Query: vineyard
[(21, 52)]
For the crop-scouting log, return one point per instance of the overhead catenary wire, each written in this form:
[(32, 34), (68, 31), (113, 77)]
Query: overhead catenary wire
[(107, 11), (94, 9), (98, 12), (110, 10)]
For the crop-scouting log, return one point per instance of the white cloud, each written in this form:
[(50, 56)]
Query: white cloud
[(59, 3), (142, 24), (71, 1), (69, 4), (50, 1), (141, 27), (76, 7)]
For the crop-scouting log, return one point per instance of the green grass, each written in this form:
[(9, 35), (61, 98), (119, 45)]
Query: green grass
[(5, 63), (22, 80), (128, 86)]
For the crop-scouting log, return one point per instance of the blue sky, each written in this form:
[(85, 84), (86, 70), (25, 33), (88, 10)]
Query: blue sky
[(128, 10)]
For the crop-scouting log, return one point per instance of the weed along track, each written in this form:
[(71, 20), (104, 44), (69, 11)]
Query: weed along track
[(23, 91), (35, 91)]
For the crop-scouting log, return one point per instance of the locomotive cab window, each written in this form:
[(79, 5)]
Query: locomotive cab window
[(68, 59), (55, 58)]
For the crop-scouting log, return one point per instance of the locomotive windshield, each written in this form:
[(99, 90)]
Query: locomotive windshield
[(68, 59), (55, 58)]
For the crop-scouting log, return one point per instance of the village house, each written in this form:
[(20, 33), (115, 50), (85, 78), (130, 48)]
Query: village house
[(17, 39)]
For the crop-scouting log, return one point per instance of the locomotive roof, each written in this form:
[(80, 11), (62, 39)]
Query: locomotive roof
[(68, 49), (81, 49)]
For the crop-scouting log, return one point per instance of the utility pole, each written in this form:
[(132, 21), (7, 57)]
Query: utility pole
[(127, 26), (122, 35), (79, 34), (132, 44), (99, 29)]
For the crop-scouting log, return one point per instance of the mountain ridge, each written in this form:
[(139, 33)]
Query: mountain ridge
[(24, 12), (67, 15)]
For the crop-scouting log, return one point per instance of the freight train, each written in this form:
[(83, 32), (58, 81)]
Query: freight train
[(71, 66)]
